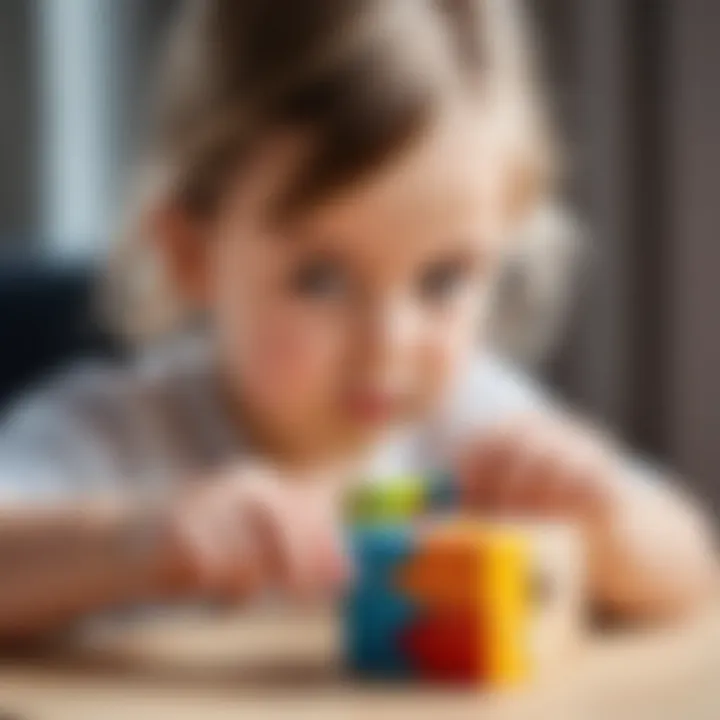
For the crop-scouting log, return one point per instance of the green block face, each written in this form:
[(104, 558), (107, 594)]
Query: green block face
[(393, 500)]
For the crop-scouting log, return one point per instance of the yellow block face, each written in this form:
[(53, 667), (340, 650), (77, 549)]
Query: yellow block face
[(508, 609)]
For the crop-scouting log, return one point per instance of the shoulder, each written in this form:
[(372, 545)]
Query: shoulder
[(100, 426), (49, 436), (75, 393), (489, 392), (492, 389)]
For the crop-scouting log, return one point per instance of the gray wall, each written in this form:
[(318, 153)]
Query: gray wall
[(133, 28), (642, 89), (694, 267), (18, 118)]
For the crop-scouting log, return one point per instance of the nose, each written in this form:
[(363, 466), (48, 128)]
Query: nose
[(392, 332)]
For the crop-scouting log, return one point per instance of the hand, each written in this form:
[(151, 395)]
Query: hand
[(543, 466), (650, 551), (253, 529)]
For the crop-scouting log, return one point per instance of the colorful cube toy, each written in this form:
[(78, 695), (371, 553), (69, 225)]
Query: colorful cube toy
[(453, 599)]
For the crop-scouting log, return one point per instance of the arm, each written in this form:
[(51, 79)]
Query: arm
[(63, 555), (58, 565), (651, 549), (654, 555), (225, 537)]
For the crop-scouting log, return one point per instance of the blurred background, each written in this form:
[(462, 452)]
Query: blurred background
[(637, 97)]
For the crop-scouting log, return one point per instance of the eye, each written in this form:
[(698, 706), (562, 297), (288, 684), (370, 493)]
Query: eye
[(319, 278), (443, 280)]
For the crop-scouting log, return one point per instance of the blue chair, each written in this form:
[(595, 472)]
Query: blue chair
[(46, 321)]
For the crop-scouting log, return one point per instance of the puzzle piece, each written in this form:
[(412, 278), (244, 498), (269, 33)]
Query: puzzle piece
[(442, 492), (447, 646), (401, 499), (379, 551), (396, 500), (376, 620)]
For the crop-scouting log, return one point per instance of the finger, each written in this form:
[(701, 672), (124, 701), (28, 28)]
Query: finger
[(519, 464), (279, 529), (235, 569), (201, 561), (469, 475), (328, 565), (589, 491), (551, 495), (491, 465), (529, 472), (332, 561), (312, 508), (245, 572), (206, 550), (232, 515), (512, 483)]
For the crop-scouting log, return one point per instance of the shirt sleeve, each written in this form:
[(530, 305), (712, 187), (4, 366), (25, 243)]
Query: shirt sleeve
[(80, 438), (492, 392), (41, 450), (99, 429), (495, 391)]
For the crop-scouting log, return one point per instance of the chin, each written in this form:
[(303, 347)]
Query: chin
[(360, 435)]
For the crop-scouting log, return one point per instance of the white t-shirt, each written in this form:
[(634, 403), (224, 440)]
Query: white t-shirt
[(143, 428)]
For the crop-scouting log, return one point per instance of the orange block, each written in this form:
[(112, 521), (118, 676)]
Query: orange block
[(447, 579), (446, 570)]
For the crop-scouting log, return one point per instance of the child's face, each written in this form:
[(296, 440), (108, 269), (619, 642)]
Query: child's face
[(355, 317)]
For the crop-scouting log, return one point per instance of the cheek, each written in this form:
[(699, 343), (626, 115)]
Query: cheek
[(284, 356), (293, 350), (277, 349)]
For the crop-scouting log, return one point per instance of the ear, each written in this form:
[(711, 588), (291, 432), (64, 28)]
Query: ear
[(181, 243)]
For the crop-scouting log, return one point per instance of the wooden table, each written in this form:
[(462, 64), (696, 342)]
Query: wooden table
[(285, 666)]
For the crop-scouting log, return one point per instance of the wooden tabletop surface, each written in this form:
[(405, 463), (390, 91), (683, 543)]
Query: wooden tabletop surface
[(284, 665)]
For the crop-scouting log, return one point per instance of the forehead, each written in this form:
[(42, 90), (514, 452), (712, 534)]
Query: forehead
[(449, 181)]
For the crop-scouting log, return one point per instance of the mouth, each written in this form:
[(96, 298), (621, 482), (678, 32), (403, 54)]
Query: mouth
[(373, 407)]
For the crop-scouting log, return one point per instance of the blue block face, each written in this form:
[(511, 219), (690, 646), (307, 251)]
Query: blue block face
[(375, 618), (443, 492), (376, 613), (379, 550)]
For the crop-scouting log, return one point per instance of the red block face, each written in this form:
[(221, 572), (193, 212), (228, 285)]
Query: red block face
[(448, 646)]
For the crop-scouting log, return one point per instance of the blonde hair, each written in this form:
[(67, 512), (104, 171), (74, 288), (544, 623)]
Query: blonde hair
[(361, 77)]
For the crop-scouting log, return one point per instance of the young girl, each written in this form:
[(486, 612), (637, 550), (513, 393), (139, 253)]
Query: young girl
[(324, 206)]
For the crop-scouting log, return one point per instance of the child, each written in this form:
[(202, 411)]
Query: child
[(326, 199)]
